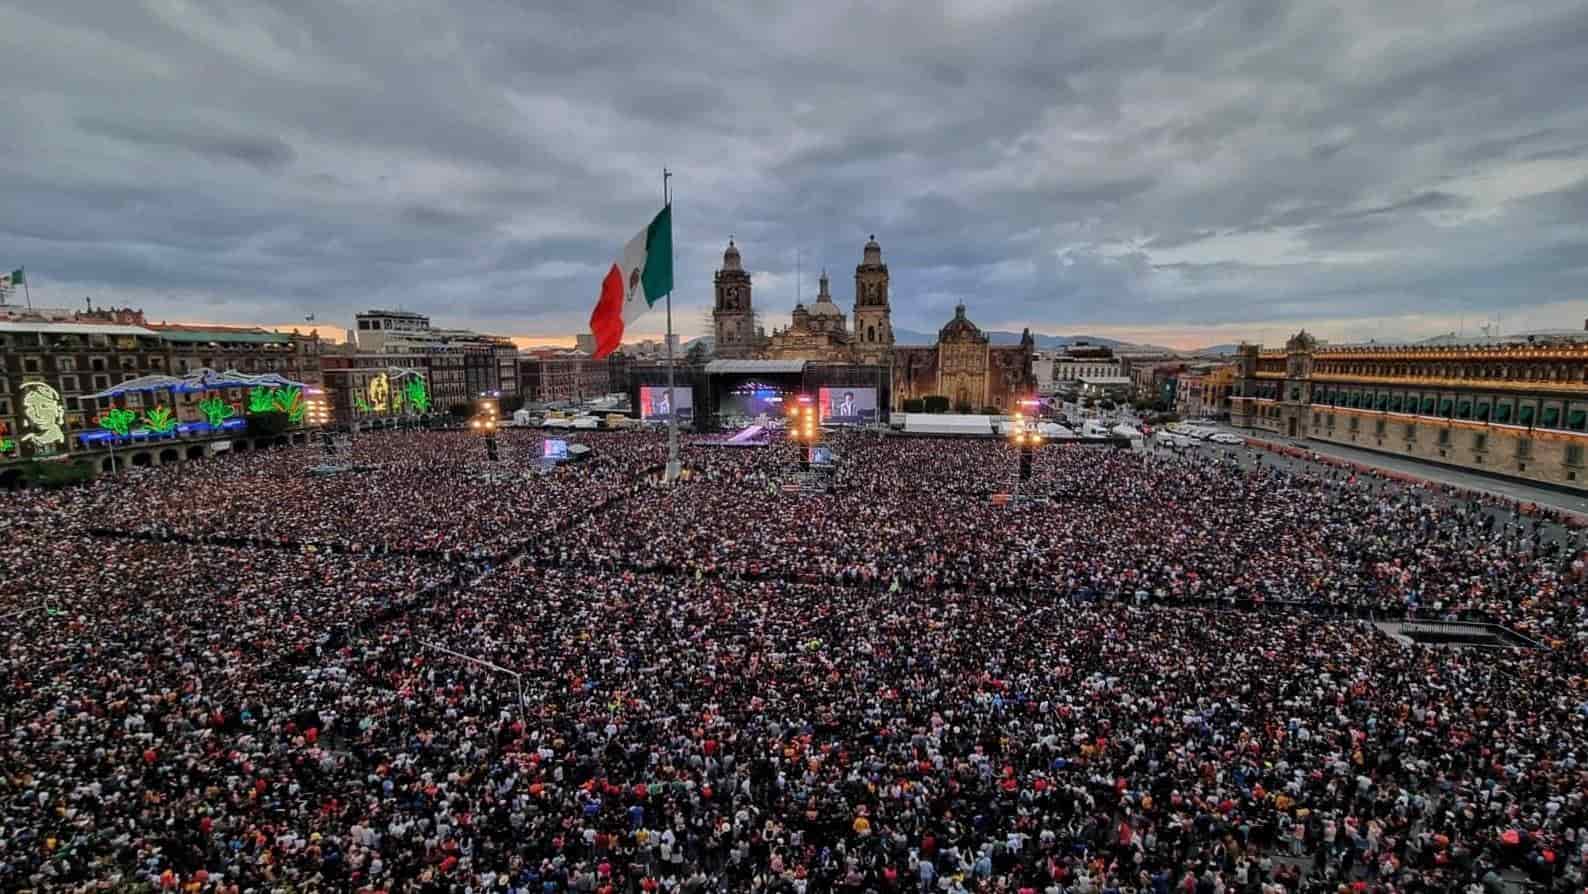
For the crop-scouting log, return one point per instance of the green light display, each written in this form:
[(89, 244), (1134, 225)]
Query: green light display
[(360, 403), (6, 444), (216, 410), (160, 420), (289, 400), (418, 394), (261, 399), (397, 401), (119, 421)]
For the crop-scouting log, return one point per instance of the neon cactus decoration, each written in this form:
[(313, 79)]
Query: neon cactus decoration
[(289, 400), (6, 444), (216, 410), (160, 419), (359, 403), (397, 400), (261, 399), (418, 394), (119, 420)]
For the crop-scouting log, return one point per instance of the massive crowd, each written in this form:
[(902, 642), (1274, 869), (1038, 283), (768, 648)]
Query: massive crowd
[(438, 673)]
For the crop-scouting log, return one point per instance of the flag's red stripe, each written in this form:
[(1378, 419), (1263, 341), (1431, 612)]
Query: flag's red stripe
[(606, 321)]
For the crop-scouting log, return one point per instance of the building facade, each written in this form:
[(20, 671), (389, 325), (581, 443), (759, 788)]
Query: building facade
[(1515, 406), (466, 365), (568, 377), (1060, 372), (54, 362), (962, 365)]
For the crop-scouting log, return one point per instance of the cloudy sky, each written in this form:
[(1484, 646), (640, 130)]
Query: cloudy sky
[(1226, 170)]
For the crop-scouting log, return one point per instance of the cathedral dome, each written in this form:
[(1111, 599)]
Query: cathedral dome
[(960, 328), (824, 306)]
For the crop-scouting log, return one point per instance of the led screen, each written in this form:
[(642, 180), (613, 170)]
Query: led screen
[(852, 405)]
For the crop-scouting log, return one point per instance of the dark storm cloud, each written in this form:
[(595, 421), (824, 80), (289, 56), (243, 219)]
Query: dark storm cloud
[(1062, 166), (263, 152)]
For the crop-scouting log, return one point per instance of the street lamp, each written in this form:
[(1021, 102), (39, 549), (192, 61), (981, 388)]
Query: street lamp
[(1025, 437), (803, 427)]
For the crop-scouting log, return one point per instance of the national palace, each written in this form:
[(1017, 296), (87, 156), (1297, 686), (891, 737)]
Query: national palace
[(1514, 406)]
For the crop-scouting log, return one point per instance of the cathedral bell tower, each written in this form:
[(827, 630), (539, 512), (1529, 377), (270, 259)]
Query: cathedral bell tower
[(873, 333), (732, 319)]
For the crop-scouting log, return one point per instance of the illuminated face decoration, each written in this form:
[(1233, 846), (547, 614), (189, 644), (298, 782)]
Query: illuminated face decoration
[(43, 415), (379, 390)]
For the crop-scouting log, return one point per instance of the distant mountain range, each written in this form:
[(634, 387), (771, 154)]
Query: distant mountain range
[(1215, 350)]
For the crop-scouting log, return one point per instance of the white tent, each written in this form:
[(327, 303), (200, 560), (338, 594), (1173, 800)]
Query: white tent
[(947, 424)]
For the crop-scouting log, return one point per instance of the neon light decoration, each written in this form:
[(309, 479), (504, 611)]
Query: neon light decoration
[(418, 393), (261, 399), (119, 420), (216, 410), (43, 417), (201, 379), (159, 420), (6, 444), (379, 391), (360, 404), (397, 400), (289, 400)]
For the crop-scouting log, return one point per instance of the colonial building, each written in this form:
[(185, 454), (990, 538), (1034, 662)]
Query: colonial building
[(55, 364), (550, 377), (964, 366), (1515, 405)]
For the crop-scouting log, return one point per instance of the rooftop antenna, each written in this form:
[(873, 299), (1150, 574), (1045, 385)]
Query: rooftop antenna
[(799, 292)]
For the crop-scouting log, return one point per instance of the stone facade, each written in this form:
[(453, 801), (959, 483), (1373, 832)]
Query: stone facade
[(965, 367), (1516, 407)]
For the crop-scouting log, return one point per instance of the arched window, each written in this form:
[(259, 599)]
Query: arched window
[(871, 333)]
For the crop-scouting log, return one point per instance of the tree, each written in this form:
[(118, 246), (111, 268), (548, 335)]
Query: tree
[(936, 403), (991, 411), (461, 410), (696, 355), (1107, 405), (914, 405), (56, 474)]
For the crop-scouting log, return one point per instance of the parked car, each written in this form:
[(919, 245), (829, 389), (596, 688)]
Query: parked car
[(1227, 438)]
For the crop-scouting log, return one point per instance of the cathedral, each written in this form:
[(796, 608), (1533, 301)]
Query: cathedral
[(963, 365)]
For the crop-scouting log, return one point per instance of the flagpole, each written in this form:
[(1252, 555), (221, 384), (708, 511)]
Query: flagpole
[(25, 290), (673, 470)]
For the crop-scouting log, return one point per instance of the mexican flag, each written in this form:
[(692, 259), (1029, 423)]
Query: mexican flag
[(637, 280)]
